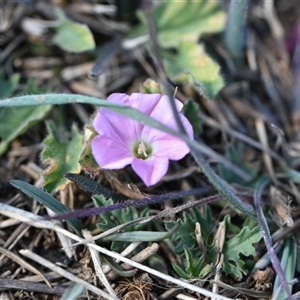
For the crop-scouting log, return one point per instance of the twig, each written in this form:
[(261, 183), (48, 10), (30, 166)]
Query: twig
[(98, 266), (29, 254), (51, 225), (7, 283)]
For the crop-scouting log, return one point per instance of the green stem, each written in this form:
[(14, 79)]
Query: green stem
[(222, 188)]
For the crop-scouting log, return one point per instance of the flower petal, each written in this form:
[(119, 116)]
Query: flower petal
[(109, 153), (163, 110), (145, 103), (150, 170), (163, 113), (112, 124), (170, 147), (119, 98), (117, 127)]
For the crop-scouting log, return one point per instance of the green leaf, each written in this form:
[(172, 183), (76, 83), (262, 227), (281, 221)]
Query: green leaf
[(47, 200), (288, 265), (117, 267), (195, 266), (33, 88), (72, 36), (140, 236), (178, 20), (16, 120), (8, 87), (191, 111), (118, 217), (294, 175), (240, 244), (185, 235), (191, 65), (73, 292), (180, 271), (62, 157)]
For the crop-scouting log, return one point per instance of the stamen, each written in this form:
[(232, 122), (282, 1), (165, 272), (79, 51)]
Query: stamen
[(142, 149)]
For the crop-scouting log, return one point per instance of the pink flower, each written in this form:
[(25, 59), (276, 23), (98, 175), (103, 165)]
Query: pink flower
[(123, 141)]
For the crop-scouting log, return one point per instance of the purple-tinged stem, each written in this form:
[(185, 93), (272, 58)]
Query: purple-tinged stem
[(260, 185)]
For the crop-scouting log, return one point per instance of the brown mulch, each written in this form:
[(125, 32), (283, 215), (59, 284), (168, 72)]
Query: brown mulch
[(253, 108)]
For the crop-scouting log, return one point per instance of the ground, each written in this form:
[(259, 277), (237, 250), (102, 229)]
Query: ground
[(248, 131)]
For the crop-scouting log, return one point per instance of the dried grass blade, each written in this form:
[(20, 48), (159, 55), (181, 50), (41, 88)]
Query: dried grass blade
[(42, 261)]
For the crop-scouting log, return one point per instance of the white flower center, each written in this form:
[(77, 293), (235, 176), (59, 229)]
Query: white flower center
[(142, 149)]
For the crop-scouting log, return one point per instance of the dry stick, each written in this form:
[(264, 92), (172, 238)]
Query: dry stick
[(129, 249), (263, 137), (211, 122), (142, 267), (140, 257), (7, 283), (24, 264), (220, 240), (42, 261), (98, 266), (24, 216)]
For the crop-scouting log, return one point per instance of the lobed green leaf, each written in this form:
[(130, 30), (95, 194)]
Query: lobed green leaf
[(62, 157), (240, 244), (178, 20), (72, 36), (16, 120), (191, 65)]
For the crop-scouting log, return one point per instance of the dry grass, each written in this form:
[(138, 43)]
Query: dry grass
[(254, 109)]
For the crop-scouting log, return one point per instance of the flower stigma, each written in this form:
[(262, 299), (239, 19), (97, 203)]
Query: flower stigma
[(142, 150)]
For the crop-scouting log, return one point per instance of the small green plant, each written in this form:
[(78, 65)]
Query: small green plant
[(198, 264), (118, 217)]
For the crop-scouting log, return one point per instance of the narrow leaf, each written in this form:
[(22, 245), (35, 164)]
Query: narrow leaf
[(89, 185), (141, 236), (73, 292), (116, 267), (288, 264), (47, 200)]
